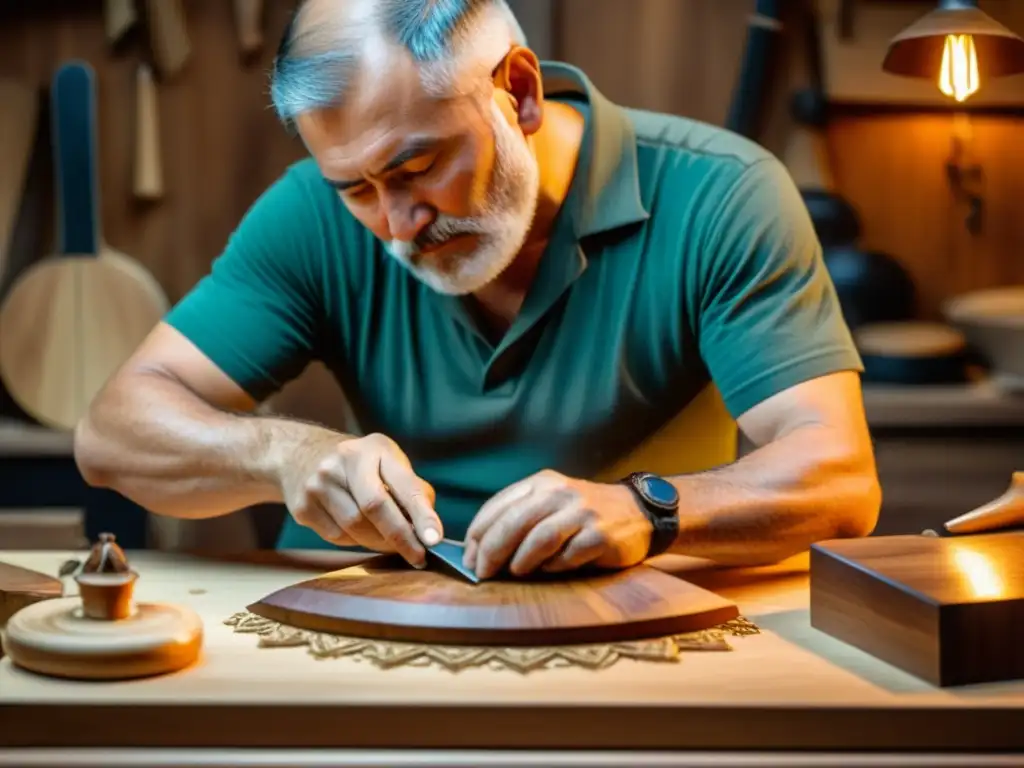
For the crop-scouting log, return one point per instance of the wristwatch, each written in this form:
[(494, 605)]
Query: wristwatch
[(659, 501)]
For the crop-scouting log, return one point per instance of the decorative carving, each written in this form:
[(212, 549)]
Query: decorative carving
[(386, 654)]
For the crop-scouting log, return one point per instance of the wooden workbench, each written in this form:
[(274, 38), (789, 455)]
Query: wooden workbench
[(790, 689)]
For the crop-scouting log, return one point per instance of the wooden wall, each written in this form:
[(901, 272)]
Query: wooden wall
[(684, 56), (222, 145)]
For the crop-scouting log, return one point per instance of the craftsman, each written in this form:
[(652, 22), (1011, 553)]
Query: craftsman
[(516, 283)]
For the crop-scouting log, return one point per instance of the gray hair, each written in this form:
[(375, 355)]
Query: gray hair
[(318, 59)]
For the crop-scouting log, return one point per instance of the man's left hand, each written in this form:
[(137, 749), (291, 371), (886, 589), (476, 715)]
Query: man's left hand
[(556, 523)]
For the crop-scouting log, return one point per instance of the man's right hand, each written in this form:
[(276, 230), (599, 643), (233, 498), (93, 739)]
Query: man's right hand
[(362, 492)]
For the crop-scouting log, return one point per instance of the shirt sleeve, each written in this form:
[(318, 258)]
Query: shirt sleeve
[(769, 316), (256, 314)]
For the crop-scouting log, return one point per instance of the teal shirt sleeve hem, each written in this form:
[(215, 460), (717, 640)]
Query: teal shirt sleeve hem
[(790, 374), (769, 317), (257, 314), (223, 352)]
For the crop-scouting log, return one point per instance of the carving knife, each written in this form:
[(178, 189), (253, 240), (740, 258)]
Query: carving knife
[(449, 554)]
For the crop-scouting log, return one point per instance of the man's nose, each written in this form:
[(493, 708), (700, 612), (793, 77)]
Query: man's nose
[(406, 217)]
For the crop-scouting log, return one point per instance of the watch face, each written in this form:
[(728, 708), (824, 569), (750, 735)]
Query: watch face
[(659, 490)]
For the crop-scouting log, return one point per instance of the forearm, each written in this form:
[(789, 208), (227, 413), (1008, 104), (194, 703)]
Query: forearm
[(155, 442), (777, 501)]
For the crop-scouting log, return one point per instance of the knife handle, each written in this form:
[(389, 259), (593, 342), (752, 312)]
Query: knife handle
[(148, 177), (248, 18), (168, 36), (1005, 512)]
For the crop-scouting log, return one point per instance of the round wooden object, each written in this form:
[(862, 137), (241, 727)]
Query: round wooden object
[(910, 339), (391, 602), (993, 321), (1001, 305), (55, 638), (142, 276), (66, 326), (70, 321)]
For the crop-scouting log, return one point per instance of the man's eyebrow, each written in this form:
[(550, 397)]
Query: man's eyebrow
[(412, 151), (343, 185)]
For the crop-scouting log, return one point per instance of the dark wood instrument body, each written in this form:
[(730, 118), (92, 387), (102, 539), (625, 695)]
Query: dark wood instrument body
[(386, 601), (947, 610)]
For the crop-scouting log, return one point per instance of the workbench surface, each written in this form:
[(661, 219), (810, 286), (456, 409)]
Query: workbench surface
[(789, 688)]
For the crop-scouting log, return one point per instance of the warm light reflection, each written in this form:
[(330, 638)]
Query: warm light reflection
[(980, 572), (958, 77)]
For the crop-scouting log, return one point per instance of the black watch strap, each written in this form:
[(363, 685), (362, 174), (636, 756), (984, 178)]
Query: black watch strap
[(662, 513), (664, 535)]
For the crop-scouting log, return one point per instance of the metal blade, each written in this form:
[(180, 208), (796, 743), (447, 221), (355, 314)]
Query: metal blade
[(449, 554)]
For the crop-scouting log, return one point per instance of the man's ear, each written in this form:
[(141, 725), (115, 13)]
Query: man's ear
[(518, 75)]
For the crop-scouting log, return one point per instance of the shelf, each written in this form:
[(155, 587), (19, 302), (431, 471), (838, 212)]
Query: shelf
[(24, 440), (969, 405)]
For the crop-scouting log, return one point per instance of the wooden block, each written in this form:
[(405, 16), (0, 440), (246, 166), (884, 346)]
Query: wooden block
[(947, 610), (20, 587)]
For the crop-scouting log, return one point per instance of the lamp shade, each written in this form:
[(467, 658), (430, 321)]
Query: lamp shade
[(917, 50)]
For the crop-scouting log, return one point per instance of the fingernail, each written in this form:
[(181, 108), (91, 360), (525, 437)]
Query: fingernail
[(431, 537)]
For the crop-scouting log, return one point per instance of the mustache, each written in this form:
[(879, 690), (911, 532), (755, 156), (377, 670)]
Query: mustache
[(444, 229)]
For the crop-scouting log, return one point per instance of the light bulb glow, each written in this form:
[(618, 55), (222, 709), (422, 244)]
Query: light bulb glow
[(958, 76)]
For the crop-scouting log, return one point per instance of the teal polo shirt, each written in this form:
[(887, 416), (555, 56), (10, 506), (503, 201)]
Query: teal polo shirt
[(682, 258)]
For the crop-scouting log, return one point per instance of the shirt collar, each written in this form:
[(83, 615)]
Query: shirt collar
[(607, 180)]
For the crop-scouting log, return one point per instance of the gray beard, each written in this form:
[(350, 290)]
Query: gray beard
[(500, 227)]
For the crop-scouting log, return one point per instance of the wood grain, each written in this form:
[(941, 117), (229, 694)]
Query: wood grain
[(483, 758), (21, 587), (949, 610), (19, 111), (221, 144), (683, 57), (71, 320), (65, 327), (788, 688), (387, 601)]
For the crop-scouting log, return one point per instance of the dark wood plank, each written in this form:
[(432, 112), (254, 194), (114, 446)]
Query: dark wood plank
[(383, 599), (20, 587), (948, 610)]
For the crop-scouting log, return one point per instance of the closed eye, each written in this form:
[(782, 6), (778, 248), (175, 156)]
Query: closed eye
[(418, 166), (414, 168)]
